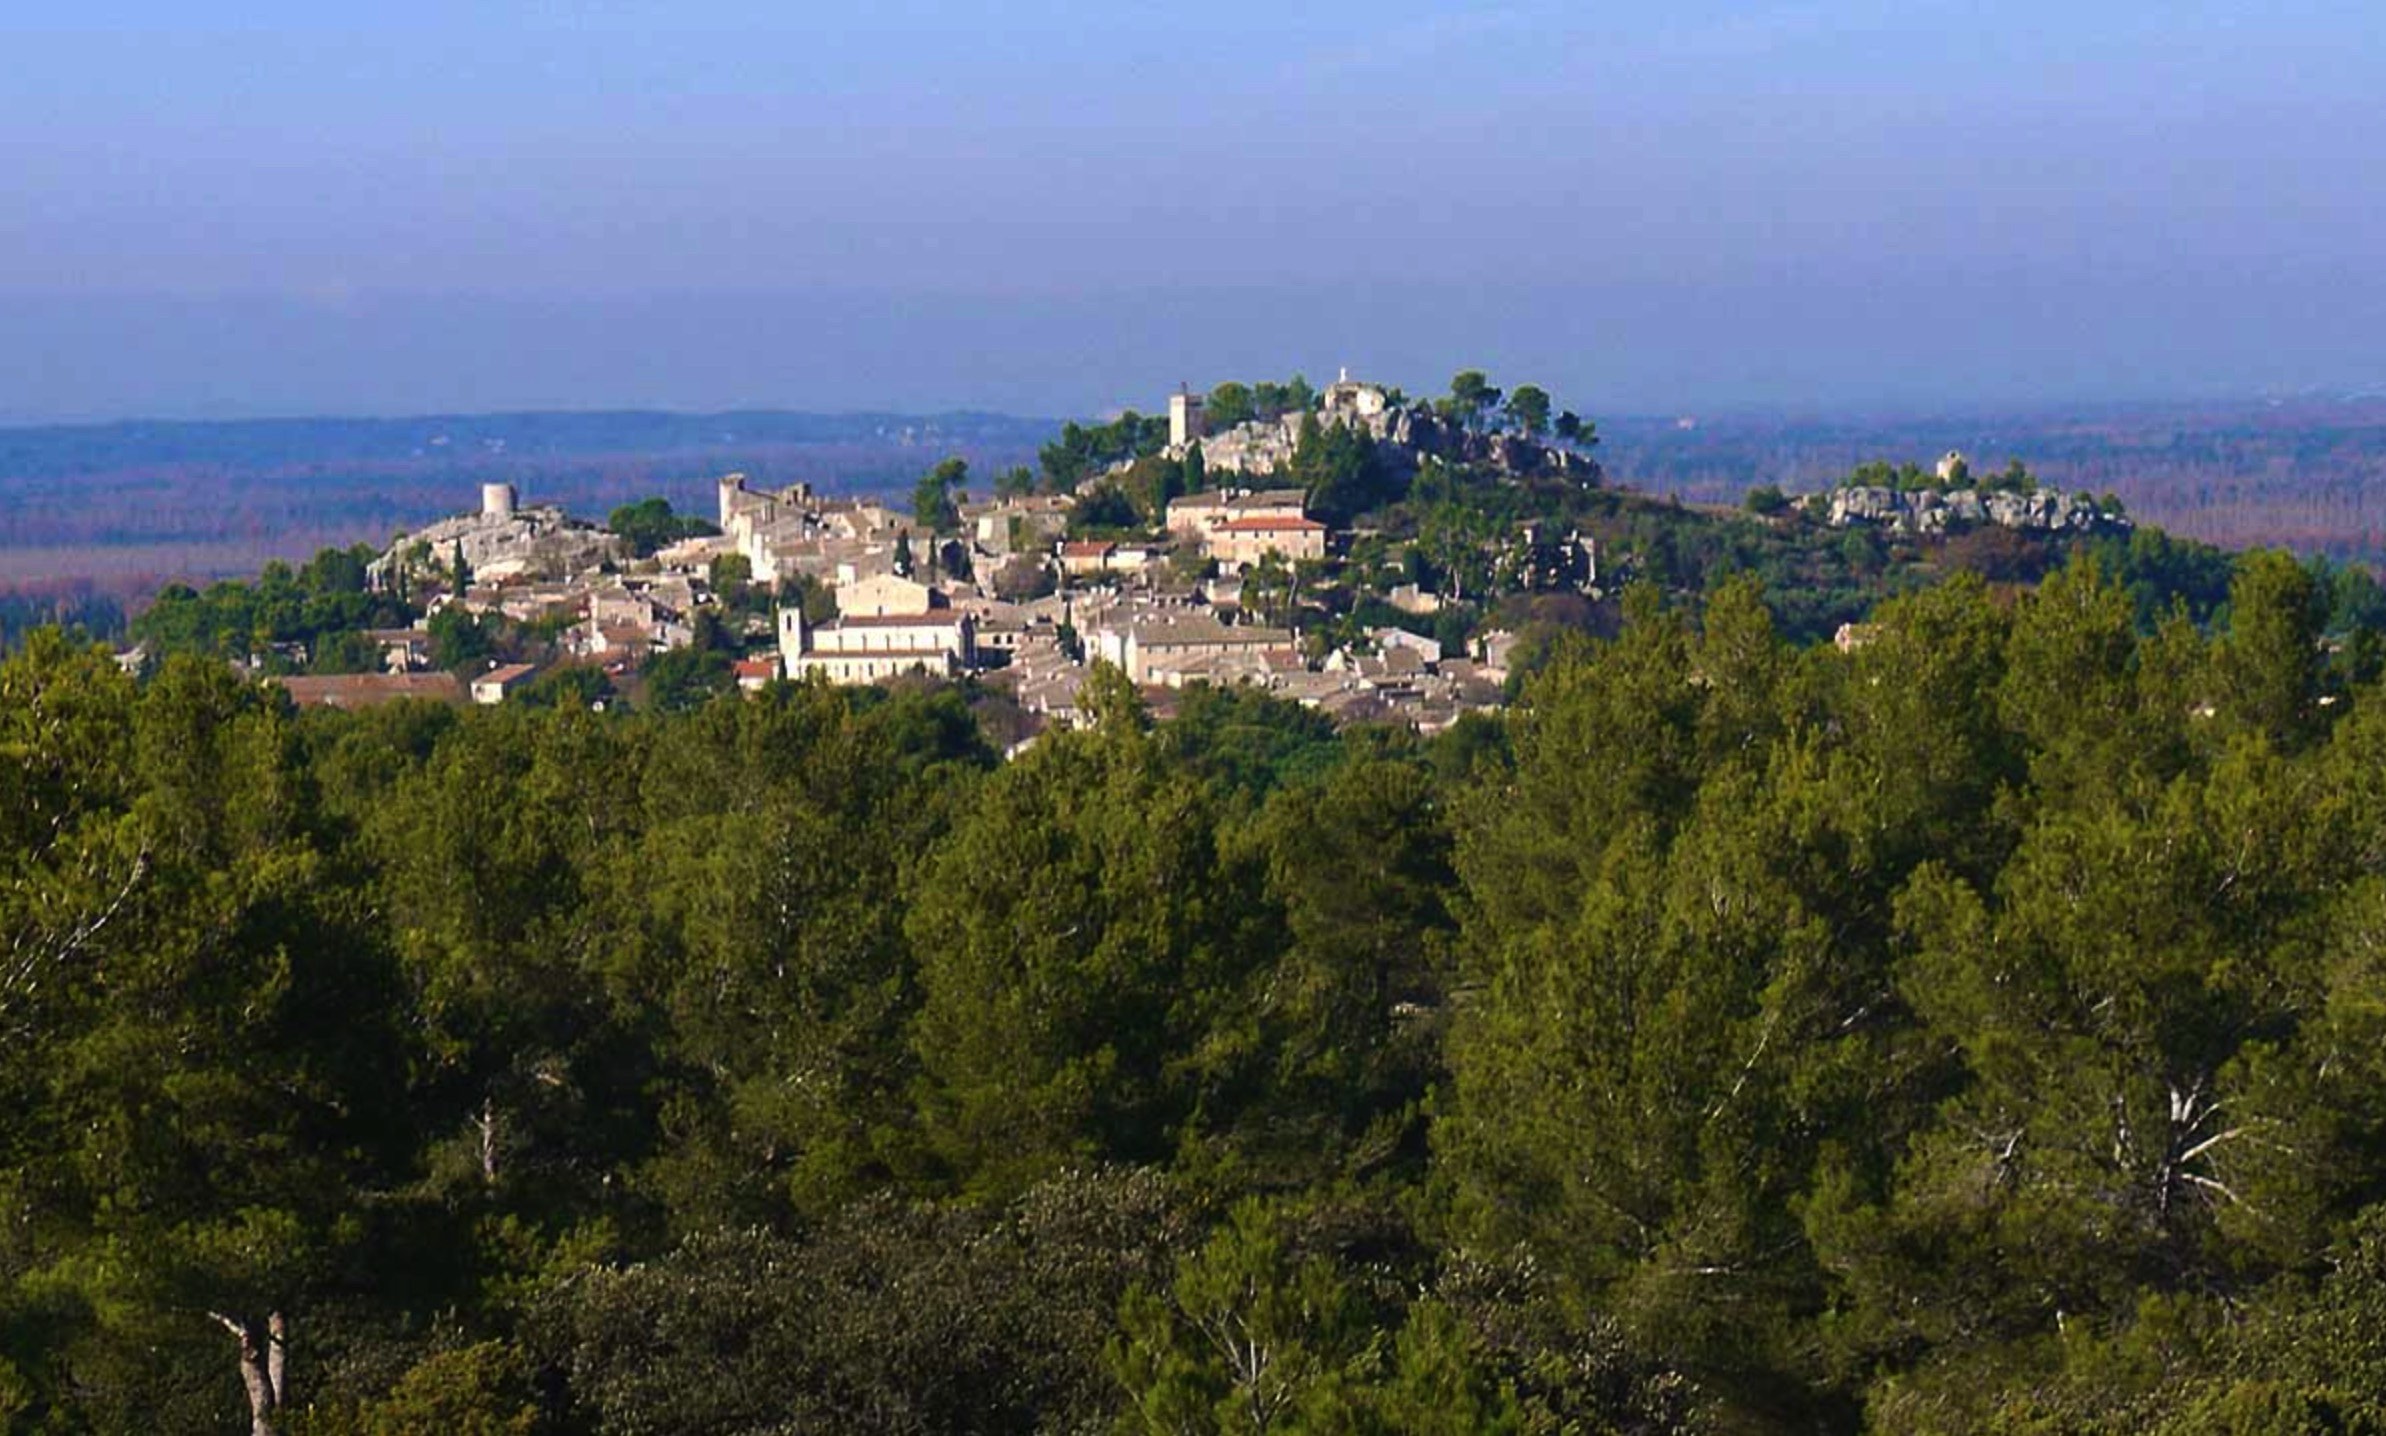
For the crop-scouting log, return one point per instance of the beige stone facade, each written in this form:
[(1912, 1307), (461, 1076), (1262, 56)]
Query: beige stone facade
[(1087, 558), (883, 595), (873, 647), (1247, 541), (1194, 515), (1148, 645)]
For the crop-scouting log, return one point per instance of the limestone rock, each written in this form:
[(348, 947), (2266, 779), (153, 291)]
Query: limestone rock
[(1405, 436), (1937, 511), (542, 542)]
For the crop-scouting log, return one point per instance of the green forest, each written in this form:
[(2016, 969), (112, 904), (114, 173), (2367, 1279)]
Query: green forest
[(1975, 1031)]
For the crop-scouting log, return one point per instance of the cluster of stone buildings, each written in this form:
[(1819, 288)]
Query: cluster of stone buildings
[(540, 568), (797, 532), (1166, 644), (912, 604)]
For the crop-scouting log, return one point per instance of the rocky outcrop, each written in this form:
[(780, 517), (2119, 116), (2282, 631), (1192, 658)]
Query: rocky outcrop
[(541, 542), (1262, 446), (1936, 511), (1523, 458), (1404, 438)]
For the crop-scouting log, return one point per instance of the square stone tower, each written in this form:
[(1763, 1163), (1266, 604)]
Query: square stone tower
[(1186, 421)]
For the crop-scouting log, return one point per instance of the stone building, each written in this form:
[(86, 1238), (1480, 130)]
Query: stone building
[(1248, 540), (798, 532), (366, 690), (907, 628), (1347, 398), (1008, 526), (886, 595), (1194, 515), (1090, 558), (499, 684), (1147, 643)]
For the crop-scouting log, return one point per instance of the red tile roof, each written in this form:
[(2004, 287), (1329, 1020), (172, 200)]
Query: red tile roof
[(362, 690)]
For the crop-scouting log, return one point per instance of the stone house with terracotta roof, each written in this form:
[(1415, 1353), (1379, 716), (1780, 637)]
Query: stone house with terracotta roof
[(1246, 541)]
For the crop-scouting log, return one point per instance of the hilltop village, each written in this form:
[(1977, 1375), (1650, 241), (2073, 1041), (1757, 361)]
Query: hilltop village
[(1369, 556)]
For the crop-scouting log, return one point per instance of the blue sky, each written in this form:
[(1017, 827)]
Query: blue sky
[(1059, 207)]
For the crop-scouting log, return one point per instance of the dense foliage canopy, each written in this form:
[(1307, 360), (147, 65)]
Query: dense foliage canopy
[(1973, 1031), (313, 615)]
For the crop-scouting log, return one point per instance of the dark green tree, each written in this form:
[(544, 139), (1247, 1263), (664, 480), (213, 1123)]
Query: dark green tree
[(678, 680), (1246, 1340), (729, 573), (1072, 987), (2268, 669), (461, 641), (933, 504), (203, 1066), (1528, 409), (1471, 397), (649, 524), (1229, 405)]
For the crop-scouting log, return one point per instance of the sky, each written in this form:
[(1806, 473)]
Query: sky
[(1062, 207)]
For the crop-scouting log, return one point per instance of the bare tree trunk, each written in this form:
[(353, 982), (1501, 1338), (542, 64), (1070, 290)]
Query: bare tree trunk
[(262, 1366), (488, 1126), (277, 1359)]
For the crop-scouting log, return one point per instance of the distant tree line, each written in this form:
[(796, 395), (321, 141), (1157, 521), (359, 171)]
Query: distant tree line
[(77, 610)]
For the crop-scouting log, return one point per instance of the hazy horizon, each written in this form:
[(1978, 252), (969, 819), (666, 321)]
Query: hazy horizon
[(1059, 208), (1658, 353)]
